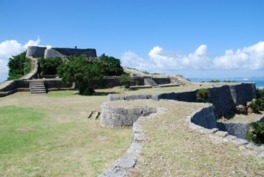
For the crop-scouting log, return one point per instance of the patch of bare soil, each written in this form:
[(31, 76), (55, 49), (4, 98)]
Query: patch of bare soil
[(242, 118)]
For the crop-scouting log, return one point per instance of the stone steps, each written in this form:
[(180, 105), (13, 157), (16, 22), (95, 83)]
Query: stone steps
[(150, 81), (37, 87)]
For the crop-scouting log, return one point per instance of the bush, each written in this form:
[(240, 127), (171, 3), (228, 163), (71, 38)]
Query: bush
[(258, 105), (260, 93), (256, 133), (214, 81), (85, 72), (49, 66), (110, 66), (125, 80), (19, 66), (202, 95)]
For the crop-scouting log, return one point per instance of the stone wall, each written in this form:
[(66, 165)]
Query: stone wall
[(160, 81), (13, 86), (236, 129), (56, 84), (224, 98), (129, 97), (51, 53), (181, 96), (38, 52), (205, 118), (35, 51), (113, 81), (113, 117), (75, 52)]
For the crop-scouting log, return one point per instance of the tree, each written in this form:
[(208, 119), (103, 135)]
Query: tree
[(18, 65), (49, 66), (125, 80), (110, 66), (85, 72)]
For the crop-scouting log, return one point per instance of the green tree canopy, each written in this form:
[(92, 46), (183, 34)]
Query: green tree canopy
[(18, 65), (49, 66), (83, 71), (110, 66)]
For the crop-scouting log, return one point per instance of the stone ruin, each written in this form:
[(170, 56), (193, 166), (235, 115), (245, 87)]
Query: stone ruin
[(44, 52)]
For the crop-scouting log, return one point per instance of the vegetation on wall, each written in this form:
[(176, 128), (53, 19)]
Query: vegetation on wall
[(256, 132), (49, 66), (258, 104), (18, 65), (202, 95)]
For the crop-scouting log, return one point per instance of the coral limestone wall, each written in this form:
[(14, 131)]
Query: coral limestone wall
[(116, 117), (224, 99), (38, 52)]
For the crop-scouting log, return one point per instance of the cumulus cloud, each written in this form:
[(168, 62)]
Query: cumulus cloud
[(10, 48), (248, 58), (131, 59)]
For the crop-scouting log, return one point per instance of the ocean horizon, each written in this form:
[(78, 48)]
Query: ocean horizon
[(258, 81)]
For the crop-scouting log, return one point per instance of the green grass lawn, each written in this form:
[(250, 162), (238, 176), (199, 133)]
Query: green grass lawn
[(50, 135)]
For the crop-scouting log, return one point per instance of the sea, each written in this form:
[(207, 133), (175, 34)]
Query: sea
[(258, 81)]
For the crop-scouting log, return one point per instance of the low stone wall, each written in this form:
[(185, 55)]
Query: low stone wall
[(236, 129), (113, 117), (205, 118), (203, 121), (181, 96), (10, 87), (56, 84), (129, 97), (160, 81)]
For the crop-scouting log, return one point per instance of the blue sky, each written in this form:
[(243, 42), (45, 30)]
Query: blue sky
[(195, 38)]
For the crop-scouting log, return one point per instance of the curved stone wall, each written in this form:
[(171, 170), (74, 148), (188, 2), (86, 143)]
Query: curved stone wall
[(205, 118), (202, 120), (114, 117)]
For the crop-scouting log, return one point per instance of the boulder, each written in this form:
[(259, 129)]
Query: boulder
[(241, 109)]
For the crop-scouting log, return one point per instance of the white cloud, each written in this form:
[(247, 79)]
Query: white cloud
[(248, 58), (10, 48), (131, 59), (31, 43)]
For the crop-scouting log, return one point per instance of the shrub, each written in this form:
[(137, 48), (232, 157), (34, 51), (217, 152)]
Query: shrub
[(256, 133), (49, 66), (125, 80), (258, 105), (202, 95), (18, 65), (214, 81), (255, 107), (260, 93), (110, 66), (85, 72)]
